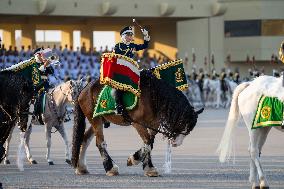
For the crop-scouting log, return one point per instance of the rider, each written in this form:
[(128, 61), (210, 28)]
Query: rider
[(44, 69), (128, 48), (33, 69)]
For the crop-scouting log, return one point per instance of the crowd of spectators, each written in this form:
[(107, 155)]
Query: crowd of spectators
[(74, 64), (83, 62)]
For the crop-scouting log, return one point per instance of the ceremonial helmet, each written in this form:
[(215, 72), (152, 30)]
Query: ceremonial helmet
[(128, 29), (281, 52)]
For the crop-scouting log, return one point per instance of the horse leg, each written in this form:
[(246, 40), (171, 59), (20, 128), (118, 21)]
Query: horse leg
[(110, 167), (253, 174), (6, 160), (82, 165), (62, 132), (261, 142), (27, 144), (257, 139), (144, 154), (48, 128)]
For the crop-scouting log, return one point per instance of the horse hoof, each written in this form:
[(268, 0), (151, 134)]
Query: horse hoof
[(113, 171), (33, 162), (264, 187), (81, 172), (6, 162), (131, 161), (151, 172), (256, 187), (50, 163), (68, 161)]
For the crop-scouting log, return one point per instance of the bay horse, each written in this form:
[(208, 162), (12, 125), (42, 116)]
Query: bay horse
[(244, 102), (161, 108), (15, 94), (53, 116)]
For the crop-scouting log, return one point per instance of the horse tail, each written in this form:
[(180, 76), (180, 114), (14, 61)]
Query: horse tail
[(225, 147), (78, 133)]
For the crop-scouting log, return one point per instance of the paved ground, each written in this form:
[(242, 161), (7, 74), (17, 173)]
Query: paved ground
[(194, 165)]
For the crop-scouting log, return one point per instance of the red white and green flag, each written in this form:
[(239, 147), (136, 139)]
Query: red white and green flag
[(120, 72)]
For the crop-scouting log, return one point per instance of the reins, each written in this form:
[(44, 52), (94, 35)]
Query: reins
[(10, 117)]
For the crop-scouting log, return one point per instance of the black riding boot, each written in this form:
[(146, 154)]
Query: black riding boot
[(119, 102)]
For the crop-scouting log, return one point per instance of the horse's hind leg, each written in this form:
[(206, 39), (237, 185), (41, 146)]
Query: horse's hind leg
[(257, 139), (62, 132), (6, 159), (110, 167), (144, 154), (82, 166)]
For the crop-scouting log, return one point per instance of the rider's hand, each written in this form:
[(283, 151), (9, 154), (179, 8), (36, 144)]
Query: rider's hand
[(145, 32), (146, 35), (42, 68)]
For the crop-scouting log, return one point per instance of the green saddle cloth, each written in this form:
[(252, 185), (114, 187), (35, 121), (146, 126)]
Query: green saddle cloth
[(269, 113), (106, 103)]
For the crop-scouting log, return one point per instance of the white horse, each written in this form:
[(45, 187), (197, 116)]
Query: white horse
[(245, 102), (53, 116), (193, 93), (231, 86), (212, 92)]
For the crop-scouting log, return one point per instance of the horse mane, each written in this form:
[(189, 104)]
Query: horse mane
[(175, 113)]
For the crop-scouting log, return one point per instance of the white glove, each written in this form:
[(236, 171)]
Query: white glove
[(145, 32), (42, 68), (146, 37)]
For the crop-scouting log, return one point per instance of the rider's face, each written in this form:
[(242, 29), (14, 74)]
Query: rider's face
[(129, 37)]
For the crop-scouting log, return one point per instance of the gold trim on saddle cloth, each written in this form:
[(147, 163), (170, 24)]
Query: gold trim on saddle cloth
[(167, 65), (117, 85), (21, 65)]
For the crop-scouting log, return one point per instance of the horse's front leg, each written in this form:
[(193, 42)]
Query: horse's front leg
[(48, 128), (27, 145), (110, 167), (7, 145), (144, 154)]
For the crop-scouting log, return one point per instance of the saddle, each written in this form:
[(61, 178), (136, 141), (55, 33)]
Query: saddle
[(122, 73)]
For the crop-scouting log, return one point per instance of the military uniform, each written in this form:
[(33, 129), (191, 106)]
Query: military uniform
[(127, 48)]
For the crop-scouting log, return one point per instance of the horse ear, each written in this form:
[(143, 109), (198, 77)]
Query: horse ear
[(71, 82)]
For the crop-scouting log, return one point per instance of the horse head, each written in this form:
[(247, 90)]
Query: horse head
[(189, 125), (175, 115), (72, 90)]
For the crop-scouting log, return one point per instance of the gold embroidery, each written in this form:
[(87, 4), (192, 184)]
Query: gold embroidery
[(104, 103), (35, 76), (179, 75), (265, 112)]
